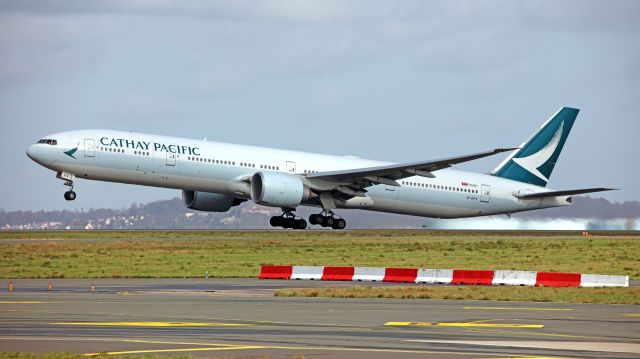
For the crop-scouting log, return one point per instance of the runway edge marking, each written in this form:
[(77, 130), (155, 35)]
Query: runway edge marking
[(464, 324), (516, 308)]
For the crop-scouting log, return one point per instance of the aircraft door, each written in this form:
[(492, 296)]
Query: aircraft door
[(89, 147), (485, 193), (291, 167), (171, 159)]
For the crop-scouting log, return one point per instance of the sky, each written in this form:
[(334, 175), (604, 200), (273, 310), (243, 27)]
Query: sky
[(390, 80)]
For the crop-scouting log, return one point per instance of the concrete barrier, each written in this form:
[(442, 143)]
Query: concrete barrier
[(266, 272), (439, 276), (338, 273), (307, 272), (552, 279), (472, 277), (512, 277), (400, 275), (434, 276), (598, 280), (368, 274)]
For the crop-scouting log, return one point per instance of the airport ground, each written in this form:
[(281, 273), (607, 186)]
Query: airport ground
[(242, 317)]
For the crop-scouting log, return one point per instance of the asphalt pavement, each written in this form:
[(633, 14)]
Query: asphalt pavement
[(242, 318)]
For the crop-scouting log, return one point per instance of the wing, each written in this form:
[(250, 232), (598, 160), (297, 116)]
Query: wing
[(563, 193), (346, 184), (390, 173)]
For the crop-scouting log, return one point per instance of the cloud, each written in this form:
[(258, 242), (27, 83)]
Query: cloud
[(427, 79)]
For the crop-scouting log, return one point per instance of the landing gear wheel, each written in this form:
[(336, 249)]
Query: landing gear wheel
[(328, 221), (69, 195), (315, 219), (288, 220), (68, 181), (276, 221), (300, 224), (339, 224)]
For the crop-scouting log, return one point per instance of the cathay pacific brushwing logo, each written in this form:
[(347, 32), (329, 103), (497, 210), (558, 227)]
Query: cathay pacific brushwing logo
[(532, 162), (71, 152)]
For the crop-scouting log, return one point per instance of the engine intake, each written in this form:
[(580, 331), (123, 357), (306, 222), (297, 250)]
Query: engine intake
[(278, 189), (209, 202)]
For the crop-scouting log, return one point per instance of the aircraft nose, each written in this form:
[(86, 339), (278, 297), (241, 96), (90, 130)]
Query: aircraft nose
[(32, 152)]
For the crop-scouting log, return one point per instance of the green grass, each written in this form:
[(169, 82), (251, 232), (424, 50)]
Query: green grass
[(143, 254), (533, 294)]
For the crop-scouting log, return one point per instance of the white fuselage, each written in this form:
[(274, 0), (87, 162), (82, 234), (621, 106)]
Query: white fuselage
[(197, 165)]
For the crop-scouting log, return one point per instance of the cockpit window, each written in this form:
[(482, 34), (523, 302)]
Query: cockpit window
[(48, 141)]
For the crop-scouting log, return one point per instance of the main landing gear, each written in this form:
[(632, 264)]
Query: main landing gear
[(328, 219), (288, 220)]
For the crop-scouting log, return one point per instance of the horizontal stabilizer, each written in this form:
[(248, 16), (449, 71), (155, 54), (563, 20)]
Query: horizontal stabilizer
[(563, 193)]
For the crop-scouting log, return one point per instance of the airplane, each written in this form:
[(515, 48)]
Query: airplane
[(216, 176)]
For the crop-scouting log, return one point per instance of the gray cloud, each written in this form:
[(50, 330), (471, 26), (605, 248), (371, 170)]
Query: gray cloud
[(426, 79)]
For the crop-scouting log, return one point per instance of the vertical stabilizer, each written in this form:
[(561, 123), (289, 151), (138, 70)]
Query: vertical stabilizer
[(533, 162)]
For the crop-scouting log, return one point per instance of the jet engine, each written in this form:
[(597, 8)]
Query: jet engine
[(209, 202), (276, 189)]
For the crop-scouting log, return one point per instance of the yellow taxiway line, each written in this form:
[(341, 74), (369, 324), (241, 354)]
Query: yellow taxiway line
[(223, 346), (146, 351), (516, 308), (22, 302), (469, 324), (153, 324)]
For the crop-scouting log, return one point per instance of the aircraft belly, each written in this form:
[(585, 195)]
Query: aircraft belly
[(437, 204), (146, 178)]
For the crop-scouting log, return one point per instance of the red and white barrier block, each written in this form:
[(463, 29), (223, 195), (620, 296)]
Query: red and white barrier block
[(443, 276)]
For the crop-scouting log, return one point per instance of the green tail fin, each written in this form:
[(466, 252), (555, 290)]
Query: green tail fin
[(533, 162)]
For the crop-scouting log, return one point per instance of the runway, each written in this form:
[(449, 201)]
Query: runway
[(242, 318)]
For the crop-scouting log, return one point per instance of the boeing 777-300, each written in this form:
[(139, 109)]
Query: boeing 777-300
[(216, 176)]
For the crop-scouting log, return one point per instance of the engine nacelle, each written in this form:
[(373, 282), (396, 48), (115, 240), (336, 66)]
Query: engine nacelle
[(210, 202), (278, 189)]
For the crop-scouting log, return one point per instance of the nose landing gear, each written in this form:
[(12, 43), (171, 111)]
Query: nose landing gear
[(69, 195), (328, 219), (288, 220)]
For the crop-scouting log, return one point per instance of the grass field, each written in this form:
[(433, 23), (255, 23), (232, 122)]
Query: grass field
[(532, 294), (162, 254)]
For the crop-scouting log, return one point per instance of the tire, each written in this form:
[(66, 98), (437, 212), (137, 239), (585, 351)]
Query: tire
[(69, 195), (300, 224), (275, 221), (328, 221), (315, 219), (339, 224), (288, 223)]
